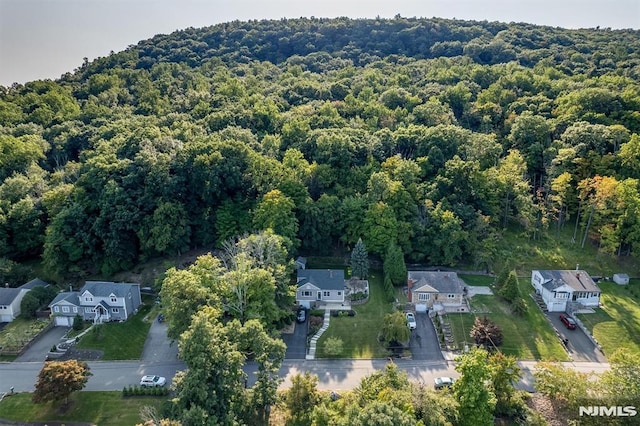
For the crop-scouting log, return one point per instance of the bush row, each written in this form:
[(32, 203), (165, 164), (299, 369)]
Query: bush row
[(136, 390)]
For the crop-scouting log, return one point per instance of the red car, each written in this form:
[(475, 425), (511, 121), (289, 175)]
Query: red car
[(568, 322)]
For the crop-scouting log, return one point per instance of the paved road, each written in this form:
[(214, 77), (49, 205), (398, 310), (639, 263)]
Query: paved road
[(580, 347), (332, 374)]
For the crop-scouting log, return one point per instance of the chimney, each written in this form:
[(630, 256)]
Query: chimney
[(577, 266), (330, 273)]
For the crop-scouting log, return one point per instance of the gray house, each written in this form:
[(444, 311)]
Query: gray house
[(320, 285), (97, 301), (11, 298), (436, 290)]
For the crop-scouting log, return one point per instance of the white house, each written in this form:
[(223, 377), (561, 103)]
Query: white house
[(320, 285), (11, 299), (559, 288), (97, 301)]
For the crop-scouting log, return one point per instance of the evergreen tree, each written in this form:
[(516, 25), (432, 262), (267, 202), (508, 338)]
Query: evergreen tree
[(509, 289), (393, 264), (359, 260)]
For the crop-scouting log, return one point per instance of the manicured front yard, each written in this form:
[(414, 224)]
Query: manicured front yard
[(359, 334), (100, 408), (477, 280), (120, 341), (526, 337), (617, 324)]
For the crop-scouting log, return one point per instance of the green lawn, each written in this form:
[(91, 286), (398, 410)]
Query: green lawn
[(100, 408), (617, 324), (477, 280), (359, 334), (120, 341), (529, 337)]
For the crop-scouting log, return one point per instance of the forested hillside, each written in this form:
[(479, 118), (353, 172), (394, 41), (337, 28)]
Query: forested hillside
[(431, 133)]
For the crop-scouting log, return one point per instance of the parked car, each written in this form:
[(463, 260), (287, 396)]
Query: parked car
[(161, 318), (443, 382), (411, 321), (152, 381), (301, 316), (568, 322)]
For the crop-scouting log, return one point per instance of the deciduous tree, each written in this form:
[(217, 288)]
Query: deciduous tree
[(59, 379)]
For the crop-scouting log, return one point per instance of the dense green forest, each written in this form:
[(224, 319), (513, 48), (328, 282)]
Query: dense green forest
[(434, 134)]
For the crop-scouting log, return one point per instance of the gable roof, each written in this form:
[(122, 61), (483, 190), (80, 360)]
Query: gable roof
[(36, 282), (72, 297), (104, 288), (436, 282), (324, 279), (8, 295), (578, 280)]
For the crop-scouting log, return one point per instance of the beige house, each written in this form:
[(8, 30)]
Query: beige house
[(435, 290)]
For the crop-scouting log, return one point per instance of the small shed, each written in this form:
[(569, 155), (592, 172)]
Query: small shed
[(621, 279)]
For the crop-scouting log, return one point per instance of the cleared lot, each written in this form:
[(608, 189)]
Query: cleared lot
[(580, 347)]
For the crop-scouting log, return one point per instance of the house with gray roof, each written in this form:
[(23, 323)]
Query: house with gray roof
[(97, 301), (11, 299), (560, 288), (437, 290), (320, 285)]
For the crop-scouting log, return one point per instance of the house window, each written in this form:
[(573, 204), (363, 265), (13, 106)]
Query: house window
[(326, 293), (88, 299), (114, 299), (339, 293), (56, 309), (424, 296), (451, 296), (115, 310), (75, 309), (89, 310), (65, 309), (306, 293), (561, 295)]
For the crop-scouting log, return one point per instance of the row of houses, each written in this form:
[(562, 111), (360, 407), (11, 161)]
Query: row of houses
[(441, 290), (102, 301), (97, 301)]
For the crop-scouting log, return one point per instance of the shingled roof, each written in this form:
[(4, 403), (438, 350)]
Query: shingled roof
[(578, 280), (436, 282), (324, 279)]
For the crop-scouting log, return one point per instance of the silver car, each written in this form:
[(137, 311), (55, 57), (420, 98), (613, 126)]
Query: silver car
[(152, 381)]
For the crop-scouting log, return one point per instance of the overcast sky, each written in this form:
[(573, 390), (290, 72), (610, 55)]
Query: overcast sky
[(46, 38)]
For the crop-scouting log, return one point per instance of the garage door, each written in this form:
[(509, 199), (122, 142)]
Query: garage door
[(64, 321)]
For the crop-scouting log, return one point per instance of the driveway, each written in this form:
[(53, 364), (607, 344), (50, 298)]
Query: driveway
[(158, 348), (297, 341), (424, 340), (579, 346), (38, 351)]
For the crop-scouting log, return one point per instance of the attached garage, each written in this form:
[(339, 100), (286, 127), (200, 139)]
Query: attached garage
[(64, 321)]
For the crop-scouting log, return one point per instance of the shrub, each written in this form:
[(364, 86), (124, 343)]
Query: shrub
[(333, 346), (77, 323)]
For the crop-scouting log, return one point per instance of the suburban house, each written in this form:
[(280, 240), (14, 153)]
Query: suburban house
[(11, 298), (440, 291), (320, 285), (97, 301), (559, 289)]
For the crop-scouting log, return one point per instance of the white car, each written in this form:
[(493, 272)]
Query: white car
[(152, 381), (443, 382), (411, 321)]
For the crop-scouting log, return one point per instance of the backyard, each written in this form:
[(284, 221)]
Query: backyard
[(617, 324), (99, 408), (359, 333)]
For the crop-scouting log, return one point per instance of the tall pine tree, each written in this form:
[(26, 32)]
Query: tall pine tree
[(359, 261)]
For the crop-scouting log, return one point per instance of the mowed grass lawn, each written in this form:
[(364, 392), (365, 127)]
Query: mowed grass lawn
[(528, 337), (120, 340), (617, 324), (99, 408), (359, 334)]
